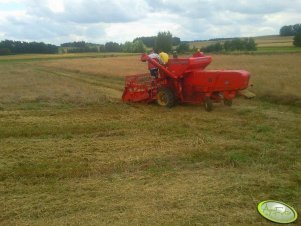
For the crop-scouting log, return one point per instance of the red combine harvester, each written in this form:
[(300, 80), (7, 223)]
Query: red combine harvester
[(185, 80)]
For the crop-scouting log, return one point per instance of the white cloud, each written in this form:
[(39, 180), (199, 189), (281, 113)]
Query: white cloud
[(56, 6), (58, 21), (92, 11), (144, 27), (10, 1)]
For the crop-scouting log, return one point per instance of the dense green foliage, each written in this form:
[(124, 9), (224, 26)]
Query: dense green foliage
[(216, 47), (17, 47), (176, 41), (113, 47), (290, 30), (5, 51), (136, 46), (133, 47), (183, 47), (82, 47), (147, 41), (164, 41), (247, 44), (150, 41), (85, 49), (128, 47), (80, 44), (237, 44), (297, 40)]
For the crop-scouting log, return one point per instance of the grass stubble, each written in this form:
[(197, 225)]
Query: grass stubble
[(72, 153)]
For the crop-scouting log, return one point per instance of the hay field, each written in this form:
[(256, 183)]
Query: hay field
[(275, 77), (50, 57), (275, 41), (73, 154), (261, 41), (112, 66)]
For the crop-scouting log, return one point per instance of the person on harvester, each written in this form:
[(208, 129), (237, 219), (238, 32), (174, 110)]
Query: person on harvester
[(152, 68), (164, 57), (198, 53)]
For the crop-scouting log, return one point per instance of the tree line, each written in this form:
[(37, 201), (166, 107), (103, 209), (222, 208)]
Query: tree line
[(151, 41), (290, 30), (163, 41), (17, 47), (8, 47), (80, 47), (236, 44)]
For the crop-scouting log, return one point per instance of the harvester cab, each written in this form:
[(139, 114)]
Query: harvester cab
[(185, 80)]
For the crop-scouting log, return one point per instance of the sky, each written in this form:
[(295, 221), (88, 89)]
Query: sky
[(100, 21)]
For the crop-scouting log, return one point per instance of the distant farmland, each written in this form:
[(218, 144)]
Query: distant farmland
[(273, 43)]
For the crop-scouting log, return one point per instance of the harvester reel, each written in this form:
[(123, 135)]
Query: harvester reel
[(165, 98)]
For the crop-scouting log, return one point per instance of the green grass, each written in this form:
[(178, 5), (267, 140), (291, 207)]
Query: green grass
[(278, 49), (73, 154)]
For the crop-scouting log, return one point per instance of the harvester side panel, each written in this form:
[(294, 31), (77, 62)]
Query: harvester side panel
[(180, 66), (219, 80), (199, 84)]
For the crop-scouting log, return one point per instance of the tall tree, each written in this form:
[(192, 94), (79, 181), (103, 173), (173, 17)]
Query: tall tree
[(176, 41), (164, 41), (138, 47), (147, 41), (290, 30), (113, 47), (183, 47), (297, 40)]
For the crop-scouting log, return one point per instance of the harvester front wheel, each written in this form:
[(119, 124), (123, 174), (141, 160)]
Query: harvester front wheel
[(165, 98), (208, 104)]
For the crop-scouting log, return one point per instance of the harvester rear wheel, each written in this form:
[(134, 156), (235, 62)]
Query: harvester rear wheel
[(165, 98), (208, 104)]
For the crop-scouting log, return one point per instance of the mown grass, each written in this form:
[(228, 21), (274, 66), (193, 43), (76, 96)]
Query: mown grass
[(275, 77), (72, 153), (45, 57)]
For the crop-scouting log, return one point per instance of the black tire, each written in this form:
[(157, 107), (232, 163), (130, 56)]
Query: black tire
[(208, 104), (166, 98), (228, 102)]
